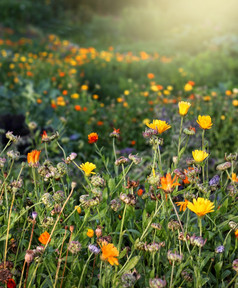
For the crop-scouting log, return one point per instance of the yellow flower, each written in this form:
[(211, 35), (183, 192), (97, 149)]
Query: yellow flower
[(183, 107), (109, 253), (146, 121), (199, 155), (84, 87), (126, 92), (201, 206), (188, 87), (235, 103), (88, 168), (207, 98), (75, 96), (205, 122), (170, 88), (90, 233), (159, 125), (78, 208), (234, 178), (223, 117), (183, 205)]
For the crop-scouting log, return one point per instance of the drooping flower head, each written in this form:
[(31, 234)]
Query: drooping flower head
[(201, 206), (205, 122), (33, 158), (44, 237), (159, 125), (92, 138), (199, 155), (168, 183), (109, 253), (88, 168), (183, 205), (183, 107)]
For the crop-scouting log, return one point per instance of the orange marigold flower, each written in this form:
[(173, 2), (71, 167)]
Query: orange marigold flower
[(92, 138), (44, 238), (201, 206), (183, 205), (77, 108), (168, 183), (159, 125), (236, 234), (151, 76), (133, 142), (39, 101), (100, 123), (109, 253), (234, 178), (33, 157), (90, 233), (140, 192)]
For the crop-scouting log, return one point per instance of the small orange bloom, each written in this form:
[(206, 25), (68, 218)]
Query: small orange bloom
[(77, 108), (39, 101), (109, 253), (234, 178), (168, 183), (92, 138), (191, 82), (44, 238), (85, 108), (33, 157), (44, 135), (140, 192), (90, 233), (183, 205), (65, 92), (100, 123), (151, 76), (133, 142), (236, 234)]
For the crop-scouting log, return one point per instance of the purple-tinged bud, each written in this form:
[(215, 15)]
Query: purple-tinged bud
[(34, 215), (219, 249), (224, 166), (93, 249), (235, 265), (29, 256), (157, 283)]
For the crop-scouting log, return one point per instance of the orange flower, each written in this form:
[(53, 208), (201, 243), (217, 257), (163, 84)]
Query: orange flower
[(234, 178), (236, 234), (44, 238), (44, 136), (109, 253), (133, 142), (92, 138), (33, 157), (205, 122), (168, 183), (77, 107), (140, 192), (90, 233), (183, 205), (151, 76), (100, 123)]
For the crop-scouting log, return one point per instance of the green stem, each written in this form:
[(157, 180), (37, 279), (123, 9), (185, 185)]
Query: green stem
[(160, 163), (84, 267), (8, 144), (122, 224), (180, 134), (171, 277), (200, 227)]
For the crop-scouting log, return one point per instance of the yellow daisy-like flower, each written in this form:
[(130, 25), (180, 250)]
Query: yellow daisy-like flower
[(109, 253), (201, 206), (183, 205), (199, 155), (159, 125), (183, 107), (205, 122), (90, 233), (188, 87), (88, 168)]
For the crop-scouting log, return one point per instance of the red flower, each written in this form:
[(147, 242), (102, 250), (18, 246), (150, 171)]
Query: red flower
[(11, 283), (92, 138)]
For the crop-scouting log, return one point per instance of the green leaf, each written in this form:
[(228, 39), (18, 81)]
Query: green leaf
[(131, 264), (218, 267)]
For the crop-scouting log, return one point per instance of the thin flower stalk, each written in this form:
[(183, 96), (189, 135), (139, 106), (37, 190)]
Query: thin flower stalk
[(122, 224)]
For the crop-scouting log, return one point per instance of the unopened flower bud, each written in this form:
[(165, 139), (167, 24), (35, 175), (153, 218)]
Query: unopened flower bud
[(135, 159), (121, 160), (235, 265), (157, 283), (187, 276), (224, 166), (74, 247), (173, 225), (188, 131), (97, 181), (10, 136), (115, 204), (71, 228), (73, 185), (174, 256), (156, 226), (219, 249), (29, 256), (231, 157), (93, 249), (233, 225), (98, 231)]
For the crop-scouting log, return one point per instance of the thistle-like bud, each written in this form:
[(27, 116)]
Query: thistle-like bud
[(29, 256), (173, 225), (199, 241), (233, 225), (201, 188), (156, 226), (224, 166), (154, 178), (140, 245), (73, 185), (34, 215), (98, 231), (59, 196), (188, 131), (15, 155), (96, 191), (62, 168), (48, 221), (174, 256), (74, 247), (235, 265), (214, 182), (231, 157), (187, 276), (148, 133), (156, 142), (2, 162), (135, 159), (179, 173), (175, 159), (115, 204), (220, 249), (157, 283), (121, 160), (32, 125), (182, 237), (128, 280), (124, 198), (115, 133), (231, 190), (97, 181), (190, 161), (152, 247), (9, 135), (70, 158), (54, 136), (93, 249), (47, 199)]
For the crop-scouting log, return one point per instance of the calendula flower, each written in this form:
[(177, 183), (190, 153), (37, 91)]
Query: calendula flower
[(168, 183), (78, 208), (188, 87), (183, 107), (88, 168), (109, 253), (159, 126), (236, 234), (199, 155), (92, 138), (44, 237), (183, 205), (90, 233), (201, 206), (205, 122), (11, 283), (33, 157), (234, 178)]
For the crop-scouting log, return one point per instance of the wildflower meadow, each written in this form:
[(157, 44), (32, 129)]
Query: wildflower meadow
[(118, 151)]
